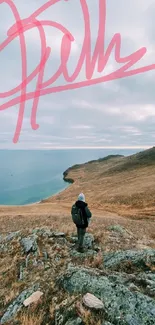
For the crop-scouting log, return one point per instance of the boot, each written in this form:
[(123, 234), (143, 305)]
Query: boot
[(80, 249)]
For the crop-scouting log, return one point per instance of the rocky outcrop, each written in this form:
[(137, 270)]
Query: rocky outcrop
[(15, 307), (122, 306), (94, 287), (142, 259), (88, 240), (47, 233)]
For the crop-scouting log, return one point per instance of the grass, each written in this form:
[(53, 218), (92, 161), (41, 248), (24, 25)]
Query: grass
[(89, 317), (27, 318)]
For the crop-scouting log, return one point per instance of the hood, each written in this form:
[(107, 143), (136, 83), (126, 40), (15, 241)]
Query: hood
[(80, 204)]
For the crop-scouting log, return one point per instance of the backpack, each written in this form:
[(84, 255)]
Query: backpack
[(77, 216)]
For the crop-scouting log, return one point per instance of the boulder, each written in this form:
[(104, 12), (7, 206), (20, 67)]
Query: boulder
[(29, 244), (93, 302), (33, 298)]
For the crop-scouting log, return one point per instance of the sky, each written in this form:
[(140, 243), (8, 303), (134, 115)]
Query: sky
[(118, 113)]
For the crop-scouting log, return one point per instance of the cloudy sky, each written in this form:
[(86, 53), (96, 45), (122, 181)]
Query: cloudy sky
[(118, 113)]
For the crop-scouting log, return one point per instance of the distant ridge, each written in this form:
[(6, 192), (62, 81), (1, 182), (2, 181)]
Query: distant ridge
[(115, 182), (141, 159), (120, 162), (77, 166)]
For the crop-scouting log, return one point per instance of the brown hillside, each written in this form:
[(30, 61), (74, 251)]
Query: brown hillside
[(114, 183)]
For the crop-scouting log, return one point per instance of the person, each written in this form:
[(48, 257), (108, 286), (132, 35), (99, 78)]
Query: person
[(81, 216)]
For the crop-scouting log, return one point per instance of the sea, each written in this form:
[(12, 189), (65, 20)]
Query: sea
[(29, 176)]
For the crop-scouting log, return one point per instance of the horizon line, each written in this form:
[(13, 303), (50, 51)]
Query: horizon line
[(79, 147)]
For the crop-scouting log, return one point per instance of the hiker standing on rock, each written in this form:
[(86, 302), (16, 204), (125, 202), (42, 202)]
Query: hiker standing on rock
[(81, 217)]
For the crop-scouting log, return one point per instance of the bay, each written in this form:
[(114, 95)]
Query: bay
[(29, 176)]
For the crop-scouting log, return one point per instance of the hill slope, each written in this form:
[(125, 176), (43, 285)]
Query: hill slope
[(114, 182)]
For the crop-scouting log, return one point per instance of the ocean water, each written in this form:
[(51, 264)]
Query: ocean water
[(28, 176)]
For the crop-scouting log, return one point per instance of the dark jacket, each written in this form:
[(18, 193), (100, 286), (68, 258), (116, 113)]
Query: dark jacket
[(85, 212)]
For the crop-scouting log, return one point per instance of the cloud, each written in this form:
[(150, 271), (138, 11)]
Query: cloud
[(116, 113), (83, 127)]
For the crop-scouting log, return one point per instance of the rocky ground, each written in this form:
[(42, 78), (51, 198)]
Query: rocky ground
[(44, 280)]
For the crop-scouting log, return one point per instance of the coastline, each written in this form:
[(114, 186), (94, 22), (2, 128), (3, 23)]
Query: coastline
[(57, 193), (113, 184), (69, 181), (66, 176)]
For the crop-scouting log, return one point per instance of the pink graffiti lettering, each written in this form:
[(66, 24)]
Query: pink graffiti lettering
[(100, 56)]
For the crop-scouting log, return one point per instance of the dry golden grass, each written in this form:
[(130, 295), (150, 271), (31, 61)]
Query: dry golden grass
[(124, 185), (98, 260), (88, 316), (11, 295), (29, 319)]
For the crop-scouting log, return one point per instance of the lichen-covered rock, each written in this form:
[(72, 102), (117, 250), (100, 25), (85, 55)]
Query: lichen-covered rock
[(66, 314), (44, 232), (122, 306), (3, 248), (15, 307), (147, 281), (75, 321), (61, 241), (29, 244), (88, 240), (59, 234), (139, 258), (12, 235), (9, 237), (85, 254), (116, 228)]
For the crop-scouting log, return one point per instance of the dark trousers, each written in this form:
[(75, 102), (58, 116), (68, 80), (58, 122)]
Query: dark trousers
[(81, 233)]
